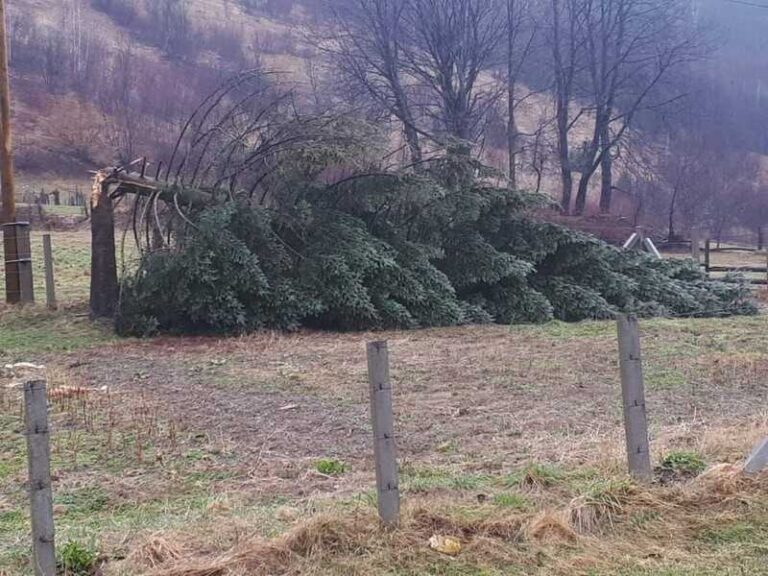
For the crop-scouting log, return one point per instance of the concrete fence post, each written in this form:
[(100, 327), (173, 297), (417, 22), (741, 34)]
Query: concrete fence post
[(40, 492), (384, 446), (633, 394)]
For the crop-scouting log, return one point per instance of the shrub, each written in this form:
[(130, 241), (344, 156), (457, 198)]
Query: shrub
[(76, 559), (682, 465), (330, 467)]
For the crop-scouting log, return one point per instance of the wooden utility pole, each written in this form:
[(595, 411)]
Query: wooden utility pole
[(15, 271), (6, 160)]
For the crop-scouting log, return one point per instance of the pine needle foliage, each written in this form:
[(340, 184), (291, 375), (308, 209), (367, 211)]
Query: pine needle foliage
[(435, 246)]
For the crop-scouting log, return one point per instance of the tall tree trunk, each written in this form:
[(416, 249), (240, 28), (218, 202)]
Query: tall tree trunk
[(566, 181), (563, 79), (590, 158), (606, 173), (409, 127), (8, 190), (638, 211), (513, 133), (412, 139), (672, 205), (582, 192), (760, 237), (566, 175)]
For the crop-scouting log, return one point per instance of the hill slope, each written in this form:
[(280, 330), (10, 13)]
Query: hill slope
[(97, 81)]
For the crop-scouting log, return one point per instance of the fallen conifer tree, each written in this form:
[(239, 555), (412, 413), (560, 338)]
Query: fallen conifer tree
[(264, 218)]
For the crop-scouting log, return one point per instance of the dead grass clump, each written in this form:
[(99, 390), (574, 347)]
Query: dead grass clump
[(155, 552), (723, 483), (600, 505), (333, 538), (509, 528), (430, 522), (318, 537), (326, 534), (329, 535), (257, 558), (550, 527)]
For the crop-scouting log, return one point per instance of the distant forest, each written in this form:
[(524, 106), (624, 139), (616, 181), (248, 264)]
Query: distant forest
[(660, 103)]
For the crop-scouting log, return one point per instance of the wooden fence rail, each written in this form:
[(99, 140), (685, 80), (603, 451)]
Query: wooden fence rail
[(709, 268)]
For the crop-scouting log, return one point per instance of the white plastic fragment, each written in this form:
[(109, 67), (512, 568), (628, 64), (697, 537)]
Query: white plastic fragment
[(758, 461)]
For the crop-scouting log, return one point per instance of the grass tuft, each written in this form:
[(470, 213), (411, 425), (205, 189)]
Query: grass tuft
[(535, 476), (77, 559), (330, 467), (683, 464), (600, 504), (511, 500)]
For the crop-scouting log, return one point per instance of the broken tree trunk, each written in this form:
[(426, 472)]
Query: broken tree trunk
[(104, 289), (108, 185), (126, 183)]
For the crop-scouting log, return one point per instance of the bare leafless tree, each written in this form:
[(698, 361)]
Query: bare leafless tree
[(753, 210), (450, 44), (368, 54), (171, 27), (521, 32), (630, 48), (564, 28), (425, 62)]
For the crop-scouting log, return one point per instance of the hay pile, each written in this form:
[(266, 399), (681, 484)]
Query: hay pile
[(595, 528)]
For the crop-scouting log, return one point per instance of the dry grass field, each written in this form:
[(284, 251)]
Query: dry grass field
[(252, 455)]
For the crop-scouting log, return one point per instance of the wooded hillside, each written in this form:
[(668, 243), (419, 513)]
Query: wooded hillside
[(670, 139)]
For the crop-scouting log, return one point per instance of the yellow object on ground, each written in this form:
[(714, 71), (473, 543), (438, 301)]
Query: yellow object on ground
[(445, 545)]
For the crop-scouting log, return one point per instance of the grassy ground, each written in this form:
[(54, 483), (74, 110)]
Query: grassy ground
[(252, 455), (72, 264)]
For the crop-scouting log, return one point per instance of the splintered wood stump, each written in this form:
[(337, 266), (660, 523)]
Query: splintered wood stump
[(112, 183), (104, 287)]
